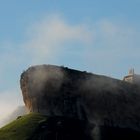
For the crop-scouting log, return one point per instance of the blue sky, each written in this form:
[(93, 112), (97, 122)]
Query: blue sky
[(99, 36)]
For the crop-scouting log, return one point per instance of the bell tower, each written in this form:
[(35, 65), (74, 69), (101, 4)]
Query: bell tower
[(131, 72)]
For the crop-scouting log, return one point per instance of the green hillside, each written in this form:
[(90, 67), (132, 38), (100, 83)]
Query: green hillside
[(38, 127), (23, 128)]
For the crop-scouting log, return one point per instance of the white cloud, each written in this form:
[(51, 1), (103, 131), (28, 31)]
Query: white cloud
[(9, 100), (49, 36), (19, 111)]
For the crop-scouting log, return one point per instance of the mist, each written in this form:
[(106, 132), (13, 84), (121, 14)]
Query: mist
[(19, 111)]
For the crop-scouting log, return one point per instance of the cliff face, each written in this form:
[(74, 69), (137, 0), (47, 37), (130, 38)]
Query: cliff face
[(102, 101), (53, 91)]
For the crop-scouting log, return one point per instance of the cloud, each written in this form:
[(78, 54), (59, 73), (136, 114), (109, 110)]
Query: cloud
[(9, 100), (19, 111), (50, 37)]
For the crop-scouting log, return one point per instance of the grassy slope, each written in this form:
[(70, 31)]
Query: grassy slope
[(22, 128)]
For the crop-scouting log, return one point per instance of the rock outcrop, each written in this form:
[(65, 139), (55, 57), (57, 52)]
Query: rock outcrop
[(100, 100)]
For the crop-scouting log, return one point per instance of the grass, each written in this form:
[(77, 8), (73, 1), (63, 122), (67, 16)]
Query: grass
[(22, 128)]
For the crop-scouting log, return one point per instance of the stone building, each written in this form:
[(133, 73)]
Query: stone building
[(132, 77)]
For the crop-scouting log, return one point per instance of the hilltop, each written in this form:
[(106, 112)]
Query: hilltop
[(22, 128)]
